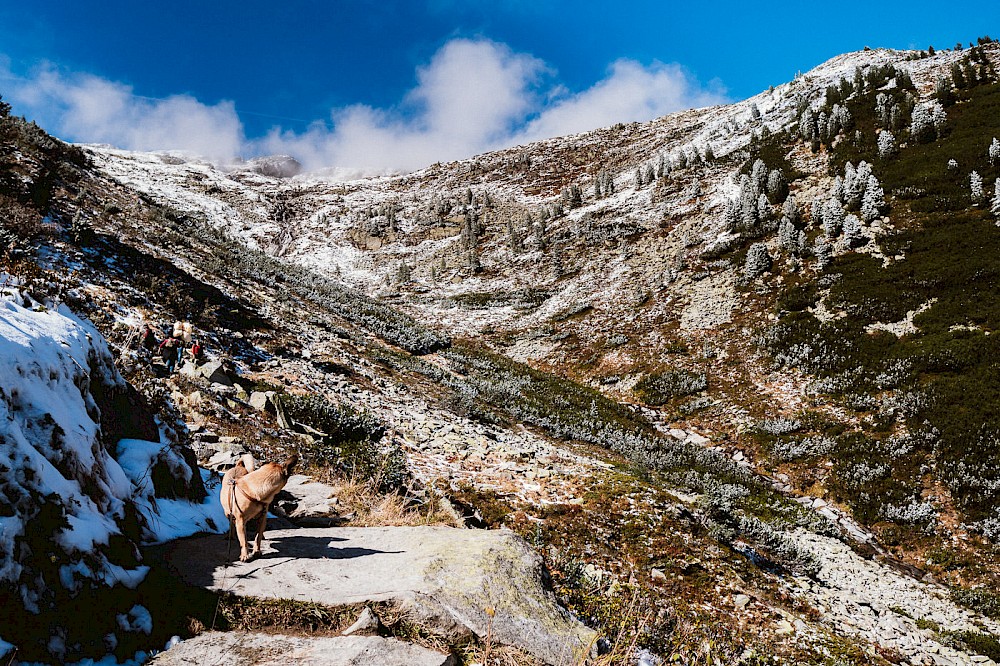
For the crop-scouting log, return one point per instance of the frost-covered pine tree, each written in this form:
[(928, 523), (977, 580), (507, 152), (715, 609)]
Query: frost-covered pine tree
[(995, 205), (638, 179), (758, 261), (883, 110), (748, 210), (807, 125), (994, 151), (758, 176), (816, 212), (791, 210), (886, 144), (823, 126), (927, 120), (763, 207), (709, 153), (852, 231), (661, 167), (732, 216), (873, 201), (976, 186), (777, 186), (754, 112), (833, 218), (792, 240), (822, 252), (838, 188)]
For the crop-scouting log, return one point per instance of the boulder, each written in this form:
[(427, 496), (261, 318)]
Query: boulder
[(308, 503), (245, 649), (215, 372), (262, 401), (448, 580)]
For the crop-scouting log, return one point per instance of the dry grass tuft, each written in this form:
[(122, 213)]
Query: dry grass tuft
[(374, 509)]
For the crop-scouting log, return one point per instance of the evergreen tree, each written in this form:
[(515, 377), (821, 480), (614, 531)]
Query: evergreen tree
[(873, 201), (994, 151), (732, 216), (807, 125), (748, 211), (4, 108), (958, 76), (792, 240), (943, 92), (790, 211), (661, 167), (886, 144), (976, 187), (822, 251), (777, 187), (883, 110), (853, 235), (763, 208), (816, 212), (833, 218), (758, 261), (995, 206), (638, 178), (927, 121), (513, 238), (758, 176)]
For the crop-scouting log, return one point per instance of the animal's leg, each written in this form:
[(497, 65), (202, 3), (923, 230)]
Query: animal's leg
[(261, 525), (241, 531)]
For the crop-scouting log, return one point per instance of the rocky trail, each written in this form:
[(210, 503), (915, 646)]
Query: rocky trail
[(456, 585)]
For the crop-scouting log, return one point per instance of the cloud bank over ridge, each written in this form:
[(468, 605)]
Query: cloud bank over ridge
[(473, 96)]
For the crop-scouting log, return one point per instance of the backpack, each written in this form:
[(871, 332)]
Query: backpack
[(196, 351)]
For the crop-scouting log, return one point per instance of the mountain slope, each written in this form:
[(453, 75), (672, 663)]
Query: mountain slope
[(677, 384)]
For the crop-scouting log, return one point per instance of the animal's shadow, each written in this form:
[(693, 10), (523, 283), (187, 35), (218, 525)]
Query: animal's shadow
[(315, 547)]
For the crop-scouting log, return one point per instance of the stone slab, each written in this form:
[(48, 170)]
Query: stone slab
[(447, 579), (247, 649)]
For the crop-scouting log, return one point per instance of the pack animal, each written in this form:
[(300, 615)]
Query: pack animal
[(247, 495)]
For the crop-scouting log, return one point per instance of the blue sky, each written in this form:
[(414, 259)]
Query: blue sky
[(402, 84)]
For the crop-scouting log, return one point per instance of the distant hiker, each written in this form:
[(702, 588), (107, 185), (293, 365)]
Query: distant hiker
[(147, 339), (196, 351), (169, 350), (183, 330)]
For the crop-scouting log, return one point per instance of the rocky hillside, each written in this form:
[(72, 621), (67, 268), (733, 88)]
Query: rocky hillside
[(729, 371)]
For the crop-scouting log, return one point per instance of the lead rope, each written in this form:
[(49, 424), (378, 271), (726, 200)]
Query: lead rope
[(229, 550)]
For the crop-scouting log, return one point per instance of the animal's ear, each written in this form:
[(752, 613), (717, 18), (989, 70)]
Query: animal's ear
[(290, 463)]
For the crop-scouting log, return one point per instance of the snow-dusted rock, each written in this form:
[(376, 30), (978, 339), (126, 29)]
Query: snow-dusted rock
[(73, 497)]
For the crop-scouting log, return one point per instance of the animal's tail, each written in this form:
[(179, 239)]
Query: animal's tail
[(248, 462)]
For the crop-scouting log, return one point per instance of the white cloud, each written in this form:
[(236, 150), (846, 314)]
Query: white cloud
[(87, 108), (469, 98), (473, 96), (631, 92)]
